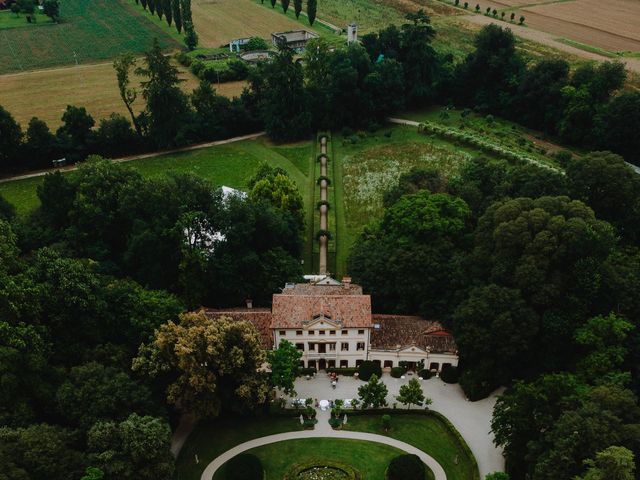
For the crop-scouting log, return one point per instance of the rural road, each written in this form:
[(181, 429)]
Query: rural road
[(139, 157), (550, 40), (322, 430)]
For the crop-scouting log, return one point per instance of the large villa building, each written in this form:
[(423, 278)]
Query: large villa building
[(331, 323)]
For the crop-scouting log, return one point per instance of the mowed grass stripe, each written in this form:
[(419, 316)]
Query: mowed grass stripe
[(91, 30)]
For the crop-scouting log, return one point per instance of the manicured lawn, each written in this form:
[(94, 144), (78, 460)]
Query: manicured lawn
[(428, 433), (370, 459), (89, 30), (211, 438)]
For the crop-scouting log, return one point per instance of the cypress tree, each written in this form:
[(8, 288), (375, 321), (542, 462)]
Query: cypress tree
[(177, 15), (285, 5), (273, 3), (152, 6), (144, 4), (297, 6), (159, 8), (186, 12), (312, 7), (168, 12)]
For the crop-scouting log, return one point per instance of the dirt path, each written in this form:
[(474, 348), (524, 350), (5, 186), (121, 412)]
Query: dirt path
[(138, 157), (550, 40)]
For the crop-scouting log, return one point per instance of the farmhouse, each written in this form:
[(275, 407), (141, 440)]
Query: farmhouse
[(331, 323), (294, 39)]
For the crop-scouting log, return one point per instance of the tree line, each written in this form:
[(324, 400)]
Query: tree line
[(176, 12), (356, 86), (110, 261), (535, 272)]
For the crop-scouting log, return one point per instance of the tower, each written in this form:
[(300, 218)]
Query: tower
[(352, 33)]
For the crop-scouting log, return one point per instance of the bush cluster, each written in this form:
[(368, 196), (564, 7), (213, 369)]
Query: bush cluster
[(397, 372), (406, 467), (449, 374), (347, 371)]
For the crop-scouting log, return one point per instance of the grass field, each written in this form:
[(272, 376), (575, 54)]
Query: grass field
[(89, 31), (10, 20), (369, 459), (428, 433)]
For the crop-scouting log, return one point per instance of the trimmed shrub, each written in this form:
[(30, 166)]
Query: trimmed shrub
[(335, 422), (244, 467), (325, 233), (449, 374), (308, 371), (322, 177), (406, 467), (321, 203), (386, 422), (397, 372), (425, 374), (367, 369)]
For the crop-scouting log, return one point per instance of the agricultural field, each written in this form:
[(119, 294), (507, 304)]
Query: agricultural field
[(219, 21), (10, 20), (46, 93), (89, 31)]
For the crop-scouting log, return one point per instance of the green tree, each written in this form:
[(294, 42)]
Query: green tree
[(95, 392), (312, 9), (411, 394), (76, 132), (10, 140), (284, 109), (373, 394), (92, 473), (177, 15), (168, 11), (285, 5), (604, 340), (219, 367), (40, 143), (420, 232), (418, 57), (497, 475), (136, 448), (285, 366), (274, 186), (166, 104), (160, 8), (297, 7), (190, 35), (152, 5), (124, 65), (51, 8), (617, 123), (612, 463)]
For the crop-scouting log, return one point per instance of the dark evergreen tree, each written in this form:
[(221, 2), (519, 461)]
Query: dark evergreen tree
[(285, 5), (177, 14), (312, 9), (168, 11), (152, 6), (160, 8), (297, 6)]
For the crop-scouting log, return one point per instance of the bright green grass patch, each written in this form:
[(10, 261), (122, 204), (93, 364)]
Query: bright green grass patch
[(214, 437), (368, 458), (22, 194), (10, 20), (430, 434), (89, 30)]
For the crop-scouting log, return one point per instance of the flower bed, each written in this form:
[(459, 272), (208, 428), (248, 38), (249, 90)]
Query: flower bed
[(327, 470)]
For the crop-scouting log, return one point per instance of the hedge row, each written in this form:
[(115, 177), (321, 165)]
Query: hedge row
[(233, 70), (480, 143)]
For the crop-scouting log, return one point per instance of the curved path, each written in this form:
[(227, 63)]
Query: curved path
[(435, 467)]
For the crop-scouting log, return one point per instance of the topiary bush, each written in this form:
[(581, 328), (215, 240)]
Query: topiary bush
[(406, 467), (367, 369), (474, 388), (397, 372), (449, 374), (425, 374), (244, 467)]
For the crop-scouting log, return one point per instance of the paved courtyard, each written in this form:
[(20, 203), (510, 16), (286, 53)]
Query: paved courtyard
[(472, 419)]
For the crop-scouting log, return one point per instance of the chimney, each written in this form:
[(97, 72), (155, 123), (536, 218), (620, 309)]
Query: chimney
[(249, 303), (346, 280)]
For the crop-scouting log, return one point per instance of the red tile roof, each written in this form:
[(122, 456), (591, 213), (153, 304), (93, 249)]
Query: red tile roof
[(343, 304), (260, 317), (397, 332)]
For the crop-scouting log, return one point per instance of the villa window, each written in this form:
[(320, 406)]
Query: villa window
[(360, 332), (298, 332), (360, 346), (332, 332), (344, 363), (300, 346), (321, 332), (388, 364), (345, 332), (283, 333), (345, 346), (311, 332), (332, 347), (312, 347)]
